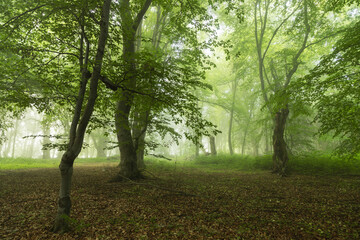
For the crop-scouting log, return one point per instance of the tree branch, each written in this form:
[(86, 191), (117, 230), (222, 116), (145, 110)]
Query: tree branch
[(22, 14), (275, 32), (141, 14)]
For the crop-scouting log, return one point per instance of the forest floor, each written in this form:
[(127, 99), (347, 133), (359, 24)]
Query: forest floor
[(181, 203)]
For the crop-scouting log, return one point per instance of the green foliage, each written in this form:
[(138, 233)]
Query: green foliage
[(333, 86), (323, 164)]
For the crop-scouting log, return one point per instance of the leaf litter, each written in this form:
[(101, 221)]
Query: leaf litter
[(182, 204)]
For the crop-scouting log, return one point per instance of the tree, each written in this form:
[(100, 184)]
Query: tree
[(305, 22), (80, 122), (333, 87), (45, 81), (161, 75)]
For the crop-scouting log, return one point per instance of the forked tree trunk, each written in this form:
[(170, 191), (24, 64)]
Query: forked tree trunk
[(128, 160), (79, 123), (280, 155)]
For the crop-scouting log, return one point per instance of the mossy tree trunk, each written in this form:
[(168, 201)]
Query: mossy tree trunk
[(128, 157), (280, 155)]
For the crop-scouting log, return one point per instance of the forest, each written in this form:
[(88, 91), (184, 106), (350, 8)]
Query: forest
[(188, 119)]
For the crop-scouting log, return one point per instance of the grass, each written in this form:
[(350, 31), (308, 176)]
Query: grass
[(211, 197), (309, 164), (26, 163)]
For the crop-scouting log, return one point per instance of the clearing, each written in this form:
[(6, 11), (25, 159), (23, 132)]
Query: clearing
[(181, 203)]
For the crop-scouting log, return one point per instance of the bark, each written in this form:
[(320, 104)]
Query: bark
[(79, 123), (128, 158), (212, 146), (61, 224), (139, 129), (140, 152), (280, 155), (142, 117), (267, 148)]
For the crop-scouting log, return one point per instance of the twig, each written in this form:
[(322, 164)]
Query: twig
[(144, 170)]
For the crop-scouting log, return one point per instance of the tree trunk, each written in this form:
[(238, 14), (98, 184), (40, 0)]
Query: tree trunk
[(99, 144), (212, 145), (14, 139), (46, 140), (141, 151), (244, 141), (61, 224), (80, 121), (230, 131), (267, 148), (234, 87), (31, 148), (128, 161), (280, 155), (139, 129), (197, 150)]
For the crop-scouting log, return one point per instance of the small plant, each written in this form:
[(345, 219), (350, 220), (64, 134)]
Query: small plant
[(75, 225)]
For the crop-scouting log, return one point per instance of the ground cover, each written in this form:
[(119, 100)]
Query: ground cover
[(181, 203), (25, 163)]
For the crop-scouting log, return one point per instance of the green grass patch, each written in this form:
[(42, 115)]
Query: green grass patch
[(25, 163), (311, 164), (323, 164), (234, 162)]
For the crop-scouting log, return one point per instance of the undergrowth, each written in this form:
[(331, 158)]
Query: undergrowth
[(311, 163)]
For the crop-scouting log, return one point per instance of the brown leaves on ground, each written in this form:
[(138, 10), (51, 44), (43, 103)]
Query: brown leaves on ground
[(227, 205)]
